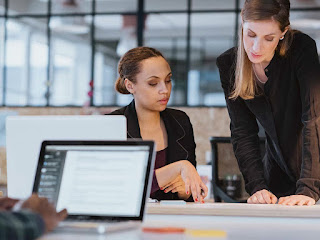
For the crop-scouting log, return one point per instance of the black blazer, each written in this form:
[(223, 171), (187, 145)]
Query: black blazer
[(181, 145), (289, 111)]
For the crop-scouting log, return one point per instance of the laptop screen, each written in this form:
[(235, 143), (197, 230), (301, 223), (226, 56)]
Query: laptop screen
[(95, 178)]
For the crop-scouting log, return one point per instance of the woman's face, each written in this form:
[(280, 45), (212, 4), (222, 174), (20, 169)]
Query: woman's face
[(153, 84), (260, 39)]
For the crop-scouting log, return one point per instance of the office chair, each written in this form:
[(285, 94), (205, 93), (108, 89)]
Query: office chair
[(218, 193)]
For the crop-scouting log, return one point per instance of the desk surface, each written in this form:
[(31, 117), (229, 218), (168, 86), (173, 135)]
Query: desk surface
[(237, 210), (262, 226)]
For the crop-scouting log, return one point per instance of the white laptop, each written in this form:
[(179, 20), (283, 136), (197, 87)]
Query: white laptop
[(24, 135), (104, 185)]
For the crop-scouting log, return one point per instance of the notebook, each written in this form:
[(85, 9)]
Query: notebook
[(104, 185)]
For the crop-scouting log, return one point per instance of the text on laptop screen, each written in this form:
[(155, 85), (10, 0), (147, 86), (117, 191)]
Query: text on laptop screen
[(95, 180)]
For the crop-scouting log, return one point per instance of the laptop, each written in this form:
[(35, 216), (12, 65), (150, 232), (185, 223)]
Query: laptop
[(24, 135), (104, 185)]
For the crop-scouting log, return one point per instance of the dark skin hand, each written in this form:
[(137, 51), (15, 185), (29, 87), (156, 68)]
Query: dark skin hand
[(38, 205), (46, 210), (7, 204)]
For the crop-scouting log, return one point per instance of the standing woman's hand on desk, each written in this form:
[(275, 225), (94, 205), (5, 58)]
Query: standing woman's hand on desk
[(299, 200), (262, 197)]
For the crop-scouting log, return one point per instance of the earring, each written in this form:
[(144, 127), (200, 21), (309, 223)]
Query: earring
[(282, 38)]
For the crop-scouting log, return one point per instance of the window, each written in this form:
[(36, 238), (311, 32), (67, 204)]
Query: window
[(70, 61), (1, 59), (65, 52), (167, 33), (211, 35)]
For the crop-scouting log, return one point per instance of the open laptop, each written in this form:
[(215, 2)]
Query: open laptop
[(104, 185), (24, 135)]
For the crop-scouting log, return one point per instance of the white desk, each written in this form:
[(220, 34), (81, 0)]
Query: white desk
[(294, 223)]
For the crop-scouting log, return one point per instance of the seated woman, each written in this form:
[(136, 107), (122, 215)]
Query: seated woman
[(146, 74)]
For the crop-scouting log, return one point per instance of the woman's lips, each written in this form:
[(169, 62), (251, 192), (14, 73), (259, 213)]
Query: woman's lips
[(164, 101), (255, 55)]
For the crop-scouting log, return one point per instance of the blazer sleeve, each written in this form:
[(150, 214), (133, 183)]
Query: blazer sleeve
[(308, 74), (23, 225), (244, 134)]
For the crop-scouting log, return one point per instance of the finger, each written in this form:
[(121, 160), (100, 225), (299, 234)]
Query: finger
[(175, 185), (187, 186), (205, 190), (302, 202), (281, 200), (177, 179), (165, 186), (266, 196), (293, 202), (62, 214), (198, 189), (249, 200), (286, 201), (178, 189), (174, 190), (254, 199), (311, 202), (10, 204), (169, 189), (194, 192), (260, 198), (274, 199)]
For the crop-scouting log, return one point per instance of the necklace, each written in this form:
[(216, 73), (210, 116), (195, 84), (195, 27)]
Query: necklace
[(256, 75)]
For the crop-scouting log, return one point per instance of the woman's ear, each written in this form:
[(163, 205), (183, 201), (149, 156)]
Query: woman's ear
[(285, 31), (129, 86)]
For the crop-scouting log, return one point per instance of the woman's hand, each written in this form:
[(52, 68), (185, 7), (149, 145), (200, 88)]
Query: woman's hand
[(299, 200), (193, 181), (262, 197), (177, 186), (46, 210)]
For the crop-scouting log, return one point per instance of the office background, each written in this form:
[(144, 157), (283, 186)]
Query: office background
[(60, 56)]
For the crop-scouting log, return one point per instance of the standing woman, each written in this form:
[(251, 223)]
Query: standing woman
[(274, 77), (146, 74)]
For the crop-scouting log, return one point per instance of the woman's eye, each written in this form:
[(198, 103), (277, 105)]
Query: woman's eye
[(251, 35), (168, 81), (269, 39), (152, 84)]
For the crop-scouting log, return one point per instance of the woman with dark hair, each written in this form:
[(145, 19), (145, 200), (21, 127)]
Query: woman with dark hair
[(273, 77), (146, 74)]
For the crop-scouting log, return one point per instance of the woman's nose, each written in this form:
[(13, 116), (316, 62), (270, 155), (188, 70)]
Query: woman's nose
[(256, 46)]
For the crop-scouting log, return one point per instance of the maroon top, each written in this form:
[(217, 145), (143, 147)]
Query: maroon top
[(159, 163)]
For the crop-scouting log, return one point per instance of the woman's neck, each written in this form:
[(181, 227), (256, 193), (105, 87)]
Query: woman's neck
[(266, 62), (147, 118)]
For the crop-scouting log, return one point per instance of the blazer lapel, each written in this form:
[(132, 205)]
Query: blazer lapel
[(133, 128), (175, 133)]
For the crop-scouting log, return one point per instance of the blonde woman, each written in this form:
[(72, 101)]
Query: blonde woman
[(274, 77)]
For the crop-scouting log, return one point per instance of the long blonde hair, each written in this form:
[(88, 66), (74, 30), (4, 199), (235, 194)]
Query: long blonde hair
[(254, 10)]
